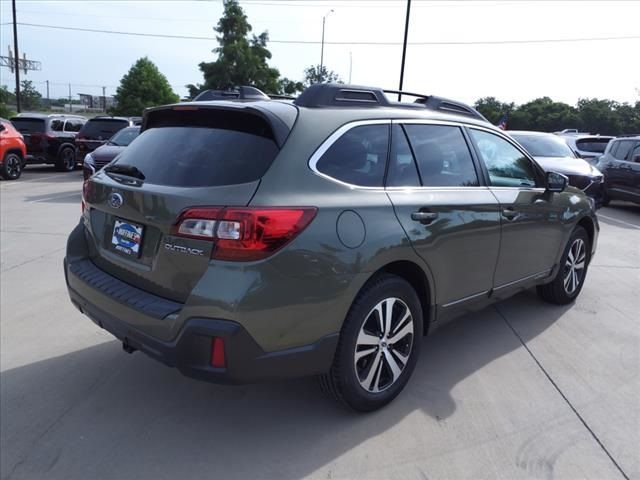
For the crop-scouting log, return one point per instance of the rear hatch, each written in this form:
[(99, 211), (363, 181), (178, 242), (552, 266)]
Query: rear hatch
[(205, 156), (97, 131), (33, 131), (592, 146)]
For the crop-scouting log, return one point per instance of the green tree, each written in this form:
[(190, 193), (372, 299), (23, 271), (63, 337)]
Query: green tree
[(6, 98), (242, 59), (141, 87), (317, 74), (290, 87), (30, 98), (493, 109), (599, 116)]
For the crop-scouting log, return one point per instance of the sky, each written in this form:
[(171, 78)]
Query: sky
[(450, 50)]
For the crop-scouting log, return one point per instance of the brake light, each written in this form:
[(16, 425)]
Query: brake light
[(86, 188), (218, 359), (243, 233)]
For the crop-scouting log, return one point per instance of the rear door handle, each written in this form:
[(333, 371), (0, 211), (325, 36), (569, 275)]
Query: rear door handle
[(509, 213), (424, 217)]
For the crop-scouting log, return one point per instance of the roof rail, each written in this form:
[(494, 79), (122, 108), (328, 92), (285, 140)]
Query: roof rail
[(339, 95), (240, 93)]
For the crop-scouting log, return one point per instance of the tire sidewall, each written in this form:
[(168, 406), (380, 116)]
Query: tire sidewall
[(5, 171), (61, 160), (386, 287), (581, 233)]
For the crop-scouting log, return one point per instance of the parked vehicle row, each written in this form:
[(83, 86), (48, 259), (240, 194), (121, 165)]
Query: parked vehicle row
[(621, 167), (243, 240), (63, 140)]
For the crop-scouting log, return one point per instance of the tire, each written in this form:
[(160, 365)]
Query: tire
[(11, 168), (370, 382), (568, 282), (66, 161)]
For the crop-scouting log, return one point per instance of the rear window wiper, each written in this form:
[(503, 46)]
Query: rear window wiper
[(128, 170)]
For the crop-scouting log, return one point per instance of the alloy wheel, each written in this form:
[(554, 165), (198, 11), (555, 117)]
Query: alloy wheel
[(13, 166), (384, 345), (574, 266)]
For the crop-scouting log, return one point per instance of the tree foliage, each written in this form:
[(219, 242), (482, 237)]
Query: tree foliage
[(141, 87), (242, 58), (605, 117), (317, 74), (30, 98), (6, 98)]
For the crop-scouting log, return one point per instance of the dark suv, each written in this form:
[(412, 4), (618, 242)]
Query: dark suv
[(249, 240), (50, 138), (620, 164), (98, 130)]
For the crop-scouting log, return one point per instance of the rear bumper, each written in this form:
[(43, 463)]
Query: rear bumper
[(190, 351)]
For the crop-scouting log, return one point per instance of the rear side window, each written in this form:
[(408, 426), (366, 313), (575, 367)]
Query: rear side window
[(202, 149), (28, 125), (358, 157), (56, 125), (72, 126), (402, 165), (103, 128), (443, 156), (624, 147)]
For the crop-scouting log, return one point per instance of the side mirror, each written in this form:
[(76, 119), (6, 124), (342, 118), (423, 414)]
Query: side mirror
[(556, 182)]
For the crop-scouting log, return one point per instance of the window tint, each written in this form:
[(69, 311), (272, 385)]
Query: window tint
[(593, 145), (72, 126), (358, 157), (102, 128), (614, 147), (56, 125), (234, 148), (507, 166), (28, 125), (624, 147), (442, 155), (402, 166), (635, 153)]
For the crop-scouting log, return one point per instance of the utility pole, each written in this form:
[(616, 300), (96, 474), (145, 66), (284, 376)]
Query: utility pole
[(48, 99), (324, 19), (70, 106), (404, 47), (15, 54), (104, 99), (350, 65)]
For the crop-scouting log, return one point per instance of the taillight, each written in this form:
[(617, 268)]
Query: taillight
[(86, 188), (243, 233), (218, 359)]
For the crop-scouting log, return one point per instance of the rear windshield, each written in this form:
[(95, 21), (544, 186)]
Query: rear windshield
[(200, 149), (28, 125), (595, 145), (102, 128), (544, 145)]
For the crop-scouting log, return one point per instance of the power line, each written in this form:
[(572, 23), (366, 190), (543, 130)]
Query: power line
[(314, 42)]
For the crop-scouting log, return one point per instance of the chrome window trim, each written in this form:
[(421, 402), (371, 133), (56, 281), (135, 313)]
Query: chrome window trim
[(317, 155)]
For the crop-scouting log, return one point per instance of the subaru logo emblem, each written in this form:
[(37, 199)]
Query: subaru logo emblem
[(115, 200)]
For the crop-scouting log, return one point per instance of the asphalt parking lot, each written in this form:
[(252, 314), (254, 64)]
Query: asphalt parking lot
[(520, 390)]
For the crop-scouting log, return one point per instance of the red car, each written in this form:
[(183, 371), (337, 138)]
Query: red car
[(12, 151)]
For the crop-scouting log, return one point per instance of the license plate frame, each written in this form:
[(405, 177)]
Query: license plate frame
[(126, 238)]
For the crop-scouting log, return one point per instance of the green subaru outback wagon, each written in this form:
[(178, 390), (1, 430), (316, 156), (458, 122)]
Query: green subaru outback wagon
[(250, 239)]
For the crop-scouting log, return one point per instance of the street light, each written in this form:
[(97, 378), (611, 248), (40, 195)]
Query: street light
[(324, 19)]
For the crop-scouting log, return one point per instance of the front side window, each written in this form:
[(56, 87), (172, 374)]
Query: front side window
[(358, 157), (624, 147), (442, 155), (72, 126), (507, 166)]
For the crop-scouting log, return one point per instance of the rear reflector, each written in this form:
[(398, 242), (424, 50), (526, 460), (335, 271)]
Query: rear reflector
[(243, 234), (217, 353)]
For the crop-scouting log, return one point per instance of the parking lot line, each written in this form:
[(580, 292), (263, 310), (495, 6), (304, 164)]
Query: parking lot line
[(613, 219)]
